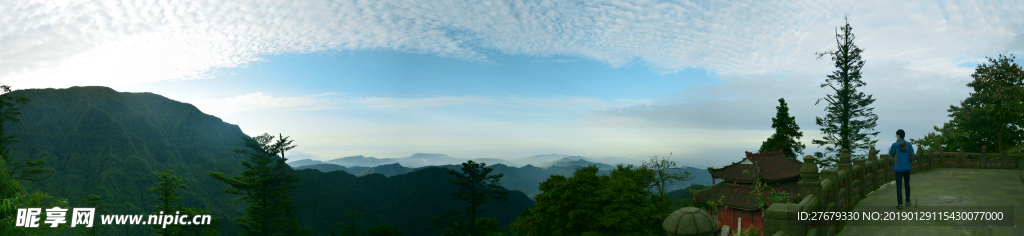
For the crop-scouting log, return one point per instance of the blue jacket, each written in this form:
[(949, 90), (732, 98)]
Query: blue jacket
[(903, 151)]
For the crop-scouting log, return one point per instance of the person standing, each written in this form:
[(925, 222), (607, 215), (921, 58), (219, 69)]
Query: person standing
[(903, 151)]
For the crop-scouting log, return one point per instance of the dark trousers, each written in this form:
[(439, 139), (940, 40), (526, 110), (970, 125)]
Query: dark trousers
[(902, 179)]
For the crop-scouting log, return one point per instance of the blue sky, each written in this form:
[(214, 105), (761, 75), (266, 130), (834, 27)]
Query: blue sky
[(510, 79)]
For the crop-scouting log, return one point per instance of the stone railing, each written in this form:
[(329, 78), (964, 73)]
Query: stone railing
[(841, 189)]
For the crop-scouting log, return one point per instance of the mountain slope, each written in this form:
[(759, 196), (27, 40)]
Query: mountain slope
[(99, 141)]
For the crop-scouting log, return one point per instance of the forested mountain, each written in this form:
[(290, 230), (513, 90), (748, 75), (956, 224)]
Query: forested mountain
[(408, 201), (113, 144), (100, 141)]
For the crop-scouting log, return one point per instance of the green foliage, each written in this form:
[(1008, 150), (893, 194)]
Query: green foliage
[(850, 119), (264, 190), (484, 226), (764, 193), (993, 115), (27, 168), (662, 177), (352, 229), (587, 203), (99, 141), (390, 230), (749, 232), (95, 201), (200, 230), (476, 186), (170, 203), (408, 201), (933, 141), (787, 133)]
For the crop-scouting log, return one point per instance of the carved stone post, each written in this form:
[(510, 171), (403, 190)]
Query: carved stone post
[(862, 185), (962, 159), (876, 169), (930, 158), (810, 183), (918, 161), (942, 158), (1006, 160), (844, 161), (983, 160)]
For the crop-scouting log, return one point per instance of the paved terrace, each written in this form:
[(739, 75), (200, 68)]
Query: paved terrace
[(948, 187)]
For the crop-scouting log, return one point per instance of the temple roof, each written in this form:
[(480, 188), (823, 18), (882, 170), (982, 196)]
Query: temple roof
[(738, 195), (770, 166)]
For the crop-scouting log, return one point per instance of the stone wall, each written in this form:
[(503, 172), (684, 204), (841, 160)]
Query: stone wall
[(841, 189)]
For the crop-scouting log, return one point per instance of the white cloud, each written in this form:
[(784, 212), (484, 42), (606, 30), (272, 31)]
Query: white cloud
[(98, 42), (262, 101)]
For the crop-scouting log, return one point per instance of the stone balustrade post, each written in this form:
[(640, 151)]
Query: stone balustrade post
[(962, 159), (1006, 160), (810, 182), (983, 159), (942, 158), (919, 161), (876, 169), (861, 175)]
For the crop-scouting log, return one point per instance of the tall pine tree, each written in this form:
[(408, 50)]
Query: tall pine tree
[(787, 133), (850, 120), (264, 187)]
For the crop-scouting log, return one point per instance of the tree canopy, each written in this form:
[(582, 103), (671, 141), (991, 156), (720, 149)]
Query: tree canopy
[(993, 115), (787, 133), (591, 204)]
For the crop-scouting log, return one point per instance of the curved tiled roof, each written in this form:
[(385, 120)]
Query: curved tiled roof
[(770, 166), (738, 195)]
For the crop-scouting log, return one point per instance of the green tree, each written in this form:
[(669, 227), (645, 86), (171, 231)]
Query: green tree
[(262, 187), (477, 187), (932, 141), (288, 185), (95, 201), (993, 115), (787, 133), (591, 204), (26, 168), (170, 203), (850, 119), (664, 177), (385, 230), (12, 194), (352, 229), (211, 229)]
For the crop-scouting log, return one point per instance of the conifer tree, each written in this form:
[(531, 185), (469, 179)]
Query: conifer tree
[(263, 187), (787, 133), (170, 203), (477, 187), (95, 201), (850, 118), (27, 168)]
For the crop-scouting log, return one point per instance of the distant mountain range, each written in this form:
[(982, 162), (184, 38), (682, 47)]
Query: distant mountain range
[(526, 179)]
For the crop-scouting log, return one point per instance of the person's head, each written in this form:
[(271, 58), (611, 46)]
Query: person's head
[(901, 134)]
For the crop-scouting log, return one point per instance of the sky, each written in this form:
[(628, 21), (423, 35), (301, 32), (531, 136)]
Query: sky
[(511, 79)]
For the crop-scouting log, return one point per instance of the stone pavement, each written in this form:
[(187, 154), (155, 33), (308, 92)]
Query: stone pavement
[(947, 187)]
